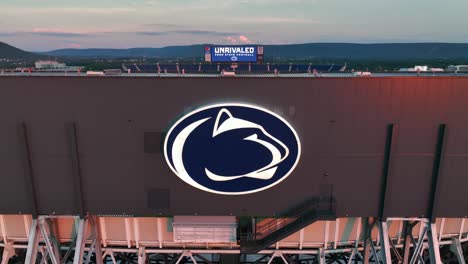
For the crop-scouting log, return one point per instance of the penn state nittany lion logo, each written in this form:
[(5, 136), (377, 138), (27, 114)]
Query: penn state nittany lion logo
[(232, 149)]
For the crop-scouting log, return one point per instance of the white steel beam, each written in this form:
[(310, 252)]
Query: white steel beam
[(44, 255), (421, 228), (385, 240), (103, 229), (418, 246), (186, 254), (8, 252), (142, 256), (111, 254), (433, 244), (27, 224), (277, 254), (3, 229), (301, 238), (326, 234), (351, 256), (80, 241), (73, 244), (136, 231), (368, 243), (33, 240), (400, 231), (457, 249), (337, 230), (321, 256), (90, 252), (97, 239), (182, 256), (271, 259), (358, 231), (462, 227), (191, 257), (374, 250), (283, 258), (48, 236), (159, 228), (441, 231), (127, 232)]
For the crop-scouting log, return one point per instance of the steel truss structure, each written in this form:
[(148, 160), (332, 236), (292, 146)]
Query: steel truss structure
[(86, 246)]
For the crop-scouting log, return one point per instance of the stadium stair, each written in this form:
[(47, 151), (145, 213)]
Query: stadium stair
[(272, 230)]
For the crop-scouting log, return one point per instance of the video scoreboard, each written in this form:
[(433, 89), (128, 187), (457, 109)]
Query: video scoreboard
[(234, 54)]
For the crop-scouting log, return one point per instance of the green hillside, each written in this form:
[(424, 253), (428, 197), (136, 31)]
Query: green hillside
[(12, 53)]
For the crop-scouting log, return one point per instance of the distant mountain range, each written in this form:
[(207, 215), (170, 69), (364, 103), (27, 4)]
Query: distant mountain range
[(10, 52), (347, 51), (391, 51)]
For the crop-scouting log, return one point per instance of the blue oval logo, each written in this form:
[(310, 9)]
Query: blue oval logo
[(232, 149)]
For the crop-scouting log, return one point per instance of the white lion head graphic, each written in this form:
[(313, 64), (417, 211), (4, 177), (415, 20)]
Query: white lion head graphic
[(232, 149), (225, 122)]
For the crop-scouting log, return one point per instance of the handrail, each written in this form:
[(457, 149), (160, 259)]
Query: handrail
[(298, 214)]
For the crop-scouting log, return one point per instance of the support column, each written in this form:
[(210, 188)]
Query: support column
[(50, 239), (142, 256), (276, 255), (43, 226), (408, 234), (385, 241), (159, 228), (351, 256), (111, 254), (186, 254), (33, 239), (80, 241), (433, 244), (321, 256), (95, 247), (418, 246), (367, 241), (456, 248), (8, 252), (337, 230), (97, 239)]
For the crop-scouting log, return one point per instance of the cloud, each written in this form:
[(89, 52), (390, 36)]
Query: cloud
[(278, 2), (202, 32), (48, 32), (186, 32), (272, 20), (7, 34), (153, 2), (244, 39), (54, 32), (163, 25), (151, 33), (71, 46), (58, 34), (238, 39), (231, 40), (65, 10), (62, 33)]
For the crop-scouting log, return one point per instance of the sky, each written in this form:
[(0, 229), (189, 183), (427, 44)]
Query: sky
[(42, 25)]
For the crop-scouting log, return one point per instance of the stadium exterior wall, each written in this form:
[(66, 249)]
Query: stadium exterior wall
[(415, 168)]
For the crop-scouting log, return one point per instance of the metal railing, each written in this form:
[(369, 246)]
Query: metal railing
[(270, 230), (298, 215)]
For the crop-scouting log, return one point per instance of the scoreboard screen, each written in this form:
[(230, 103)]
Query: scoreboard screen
[(233, 53)]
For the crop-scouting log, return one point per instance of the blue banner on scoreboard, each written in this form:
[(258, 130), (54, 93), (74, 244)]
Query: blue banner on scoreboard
[(232, 53)]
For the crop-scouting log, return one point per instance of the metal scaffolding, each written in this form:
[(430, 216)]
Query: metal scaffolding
[(410, 246)]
